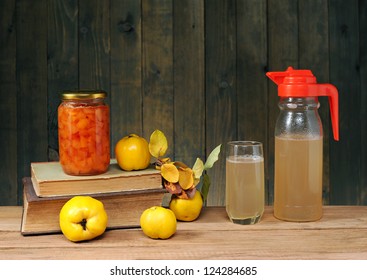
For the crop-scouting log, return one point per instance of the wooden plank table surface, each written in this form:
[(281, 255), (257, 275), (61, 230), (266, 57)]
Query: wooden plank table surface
[(340, 234)]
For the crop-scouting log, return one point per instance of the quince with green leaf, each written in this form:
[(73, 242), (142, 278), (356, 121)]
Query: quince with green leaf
[(182, 181)]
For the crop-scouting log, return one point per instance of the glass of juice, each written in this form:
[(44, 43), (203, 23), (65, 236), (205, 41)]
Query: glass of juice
[(245, 196)]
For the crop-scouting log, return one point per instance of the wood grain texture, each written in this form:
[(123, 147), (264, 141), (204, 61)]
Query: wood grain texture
[(189, 81), (9, 216), (194, 69), (8, 103), (363, 80), (126, 77), (94, 45), (158, 96), (220, 79), (345, 167), (62, 62), (340, 234), (32, 142)]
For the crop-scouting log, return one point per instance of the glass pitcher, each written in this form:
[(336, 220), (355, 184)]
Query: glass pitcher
[(299, 144)]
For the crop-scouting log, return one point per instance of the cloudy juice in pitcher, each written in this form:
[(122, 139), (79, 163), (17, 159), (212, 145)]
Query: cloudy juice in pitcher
[(298, 179), (298, 144)]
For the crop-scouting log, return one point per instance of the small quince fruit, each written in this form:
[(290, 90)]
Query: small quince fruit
[(158, 222), (132, 153), (188, 209)]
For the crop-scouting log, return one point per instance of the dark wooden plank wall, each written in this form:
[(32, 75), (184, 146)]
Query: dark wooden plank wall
[(347, 53), (194, 69), (8, 104)]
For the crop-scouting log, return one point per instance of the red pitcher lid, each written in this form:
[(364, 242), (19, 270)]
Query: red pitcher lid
[(302, 83)]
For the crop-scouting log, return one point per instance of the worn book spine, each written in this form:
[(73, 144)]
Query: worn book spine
[(41, 214)]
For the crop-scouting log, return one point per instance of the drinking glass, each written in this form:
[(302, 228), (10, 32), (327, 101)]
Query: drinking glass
[(245, 182)]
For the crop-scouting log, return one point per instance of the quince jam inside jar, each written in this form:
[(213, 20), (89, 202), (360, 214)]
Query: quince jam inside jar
[(84, 133)]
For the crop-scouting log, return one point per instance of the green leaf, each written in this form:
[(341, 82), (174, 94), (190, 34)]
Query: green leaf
[(198, 168), (166, 200), (205, 187), (212, 158)]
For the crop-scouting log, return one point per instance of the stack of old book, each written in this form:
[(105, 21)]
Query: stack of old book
[(125, 195)]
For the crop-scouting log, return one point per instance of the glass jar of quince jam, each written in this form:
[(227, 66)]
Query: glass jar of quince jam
[(84, 132)]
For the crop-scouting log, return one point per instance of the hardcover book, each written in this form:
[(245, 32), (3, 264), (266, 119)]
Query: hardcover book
[(41, 214), (49, 180)]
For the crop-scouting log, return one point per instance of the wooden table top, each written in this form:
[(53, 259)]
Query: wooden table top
[(340, 234)]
